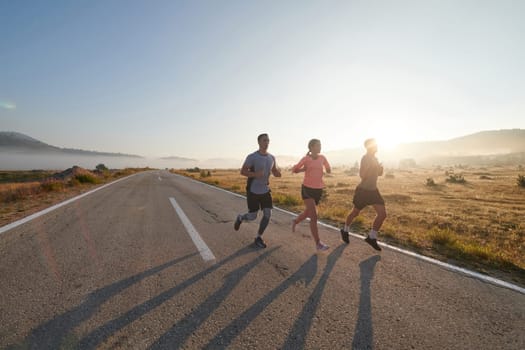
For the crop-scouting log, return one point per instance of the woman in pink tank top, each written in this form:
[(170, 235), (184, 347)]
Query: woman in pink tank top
[(313, 165)]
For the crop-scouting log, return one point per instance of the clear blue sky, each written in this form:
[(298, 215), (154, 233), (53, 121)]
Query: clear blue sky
[(201, 79)]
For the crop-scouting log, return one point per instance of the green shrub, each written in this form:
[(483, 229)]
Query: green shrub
[(86, 178), (430, 182), (444, 237), (521, 180), (52, 185), (456, 179)]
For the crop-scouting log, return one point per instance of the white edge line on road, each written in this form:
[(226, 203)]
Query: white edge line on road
[(447, 266), (56, 206), (203, 249)]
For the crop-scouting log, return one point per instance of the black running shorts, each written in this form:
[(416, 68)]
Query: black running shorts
[(313, 193), (362, 198), (259, 201)]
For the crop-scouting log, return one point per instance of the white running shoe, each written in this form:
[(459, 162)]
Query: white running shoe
[(321, 246)]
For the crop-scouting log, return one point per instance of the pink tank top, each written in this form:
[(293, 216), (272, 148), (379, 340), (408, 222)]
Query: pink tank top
[(313, 175)]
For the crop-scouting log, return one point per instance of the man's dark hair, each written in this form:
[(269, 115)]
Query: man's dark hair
[(370, 143), (261, 136)]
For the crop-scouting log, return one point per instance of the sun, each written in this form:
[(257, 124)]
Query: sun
[(389, 139)]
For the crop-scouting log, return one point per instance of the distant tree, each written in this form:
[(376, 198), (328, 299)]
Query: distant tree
[(101, 167), (205, 173)]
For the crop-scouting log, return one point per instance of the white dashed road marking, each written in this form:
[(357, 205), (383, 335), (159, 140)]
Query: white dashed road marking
[(206, 253)]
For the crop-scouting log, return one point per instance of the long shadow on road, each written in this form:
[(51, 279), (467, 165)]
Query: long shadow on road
[(180, 332), (364, 331), (301, 327), (58, 332), (100, 334), (54, 333), (297, 337)]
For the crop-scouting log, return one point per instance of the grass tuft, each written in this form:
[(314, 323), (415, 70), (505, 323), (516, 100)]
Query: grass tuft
[(285, 199), (87, 179)]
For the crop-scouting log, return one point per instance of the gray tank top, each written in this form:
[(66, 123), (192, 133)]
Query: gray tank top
[(256, 161)]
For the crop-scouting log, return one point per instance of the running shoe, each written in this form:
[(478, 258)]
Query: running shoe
[(373, 243), (293, 225), (237, 222), (259, 242), (321, 246), (345, 236)]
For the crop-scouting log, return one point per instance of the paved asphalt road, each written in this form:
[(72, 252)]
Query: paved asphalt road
[(117, 269)]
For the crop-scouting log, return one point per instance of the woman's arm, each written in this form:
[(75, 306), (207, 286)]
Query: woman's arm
[(327, 166), (299, 167)]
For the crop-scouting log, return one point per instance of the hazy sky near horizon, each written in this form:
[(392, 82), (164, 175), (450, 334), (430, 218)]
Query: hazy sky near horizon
[(201, 79)]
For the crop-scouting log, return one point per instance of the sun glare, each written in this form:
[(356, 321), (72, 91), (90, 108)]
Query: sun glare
[(387, 143), (389, 139)]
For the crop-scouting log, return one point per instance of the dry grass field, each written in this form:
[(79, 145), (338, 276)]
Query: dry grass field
[(23, 193), (470, 217)]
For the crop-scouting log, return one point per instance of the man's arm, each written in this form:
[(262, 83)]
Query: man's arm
[(363, 169), (246, 171), (276, 171)]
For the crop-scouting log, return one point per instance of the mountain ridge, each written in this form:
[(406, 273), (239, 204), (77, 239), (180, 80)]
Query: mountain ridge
[(18, 142), (505, 146)]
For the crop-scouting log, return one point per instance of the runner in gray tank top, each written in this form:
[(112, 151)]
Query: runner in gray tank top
[(257, 168)]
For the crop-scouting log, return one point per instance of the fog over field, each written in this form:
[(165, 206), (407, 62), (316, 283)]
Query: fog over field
[(486, 148), (54, 161)]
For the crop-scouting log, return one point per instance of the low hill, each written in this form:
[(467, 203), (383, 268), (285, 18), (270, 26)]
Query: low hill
[(481, 143), (483, 148), (19, 143)]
